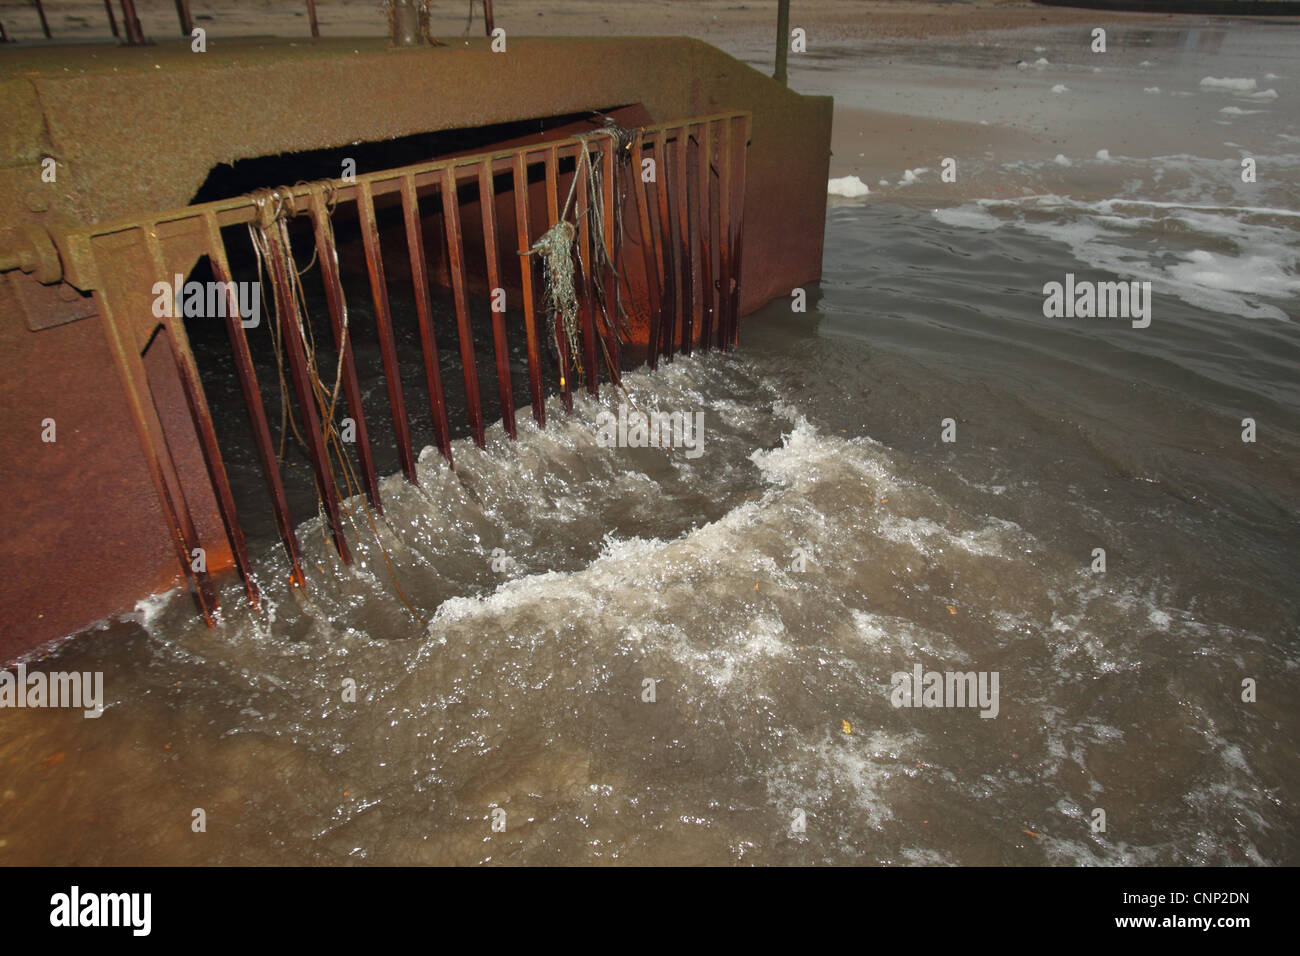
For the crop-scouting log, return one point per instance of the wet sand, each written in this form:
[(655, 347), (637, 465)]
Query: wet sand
[(721, 22)]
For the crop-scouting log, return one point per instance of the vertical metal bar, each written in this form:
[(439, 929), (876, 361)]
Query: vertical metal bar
[(489, 19), (782, 40), (131, 24), (187, 22), (552, 217), (649, 251), (253, 402), (668, 248), (384, 322), (294, 348), (327, 256), (741, 147), (526, 284), (204, 588), (726, 154), (487, 199), (703, 155), (162, 469), (586, 298), (456, 264), (612, 257), (694, 203), (424, 313), (311, 16), (684, 240), (45, 24), (704, 221), (715, 235), (112, 20), (201, 419)]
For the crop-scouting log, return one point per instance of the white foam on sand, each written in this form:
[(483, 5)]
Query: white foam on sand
[(1230, 83), (850, 187)]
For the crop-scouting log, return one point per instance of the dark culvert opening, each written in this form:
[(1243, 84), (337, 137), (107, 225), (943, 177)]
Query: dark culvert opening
[(210, 343), (267, 172)]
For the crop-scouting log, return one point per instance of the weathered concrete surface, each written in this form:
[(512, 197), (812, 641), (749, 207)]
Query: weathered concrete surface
[(135, 131)]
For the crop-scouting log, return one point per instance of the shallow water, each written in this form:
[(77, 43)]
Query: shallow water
[(826, 539)]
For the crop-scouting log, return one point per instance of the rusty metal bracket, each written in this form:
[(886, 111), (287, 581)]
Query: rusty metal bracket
[(36, 255), (48, 306)]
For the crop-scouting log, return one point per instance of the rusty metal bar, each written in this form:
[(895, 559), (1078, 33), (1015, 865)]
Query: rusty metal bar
[(327, 256), (45, 24), (672, 249), (131, 24), (704, 218), (586, 298), (685, 242), (526, 284), (613, 248), (162, 470), (487, 199), (253, 402), (456, 255), (424, 313), (187, 22), (294, 348), (205, 589), (649, 252), (741, 147), (726, 155), (489, 19), (201, 419), (552, 159), (384, 322), (715, 236), (112, 20), (311, 17)]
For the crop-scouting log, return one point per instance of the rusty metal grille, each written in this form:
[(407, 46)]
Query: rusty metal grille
[(673, 240)]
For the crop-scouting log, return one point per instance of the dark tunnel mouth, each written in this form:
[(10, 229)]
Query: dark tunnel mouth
[(229, 180)]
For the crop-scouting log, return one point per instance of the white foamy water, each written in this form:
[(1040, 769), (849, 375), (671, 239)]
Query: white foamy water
[(1241, 261)]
